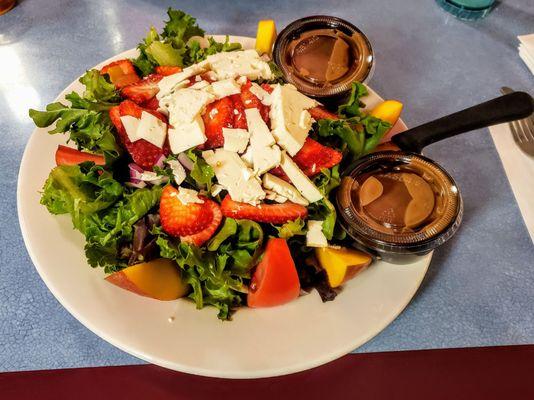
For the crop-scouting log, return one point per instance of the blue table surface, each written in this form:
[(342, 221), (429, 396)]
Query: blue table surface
[(479, 289)]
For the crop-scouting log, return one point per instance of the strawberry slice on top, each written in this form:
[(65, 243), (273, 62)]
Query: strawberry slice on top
[(143, 153), (250, 100), (144, 90), (267, 213), (167, 70), (121, 73), (198, 239), (178, 219), (312, 158), (218, 115)]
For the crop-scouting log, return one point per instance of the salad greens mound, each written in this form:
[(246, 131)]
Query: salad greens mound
[(119, 217)]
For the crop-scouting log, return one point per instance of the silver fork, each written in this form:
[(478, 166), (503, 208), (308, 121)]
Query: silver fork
[(522, 130)]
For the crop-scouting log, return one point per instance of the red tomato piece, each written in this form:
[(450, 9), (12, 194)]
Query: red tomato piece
[(69, 156), (275, 281)]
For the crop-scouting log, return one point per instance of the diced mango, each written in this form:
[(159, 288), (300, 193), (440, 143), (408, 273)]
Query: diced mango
[(389, 110), (341, 264), (265, 36), (159, 279)]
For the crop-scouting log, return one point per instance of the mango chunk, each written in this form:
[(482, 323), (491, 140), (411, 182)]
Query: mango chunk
[(159, 279), (389, 110), (341, 264), (265, 36)]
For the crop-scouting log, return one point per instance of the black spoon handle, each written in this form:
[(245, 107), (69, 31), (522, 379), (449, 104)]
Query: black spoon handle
[(506, 108)]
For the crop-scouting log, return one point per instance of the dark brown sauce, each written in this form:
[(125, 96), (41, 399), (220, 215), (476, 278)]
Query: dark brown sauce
[(322, 56)]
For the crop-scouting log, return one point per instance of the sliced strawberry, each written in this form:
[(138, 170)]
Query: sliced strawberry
[(218, 115), (167, 70), (144, 153), (121, 73), (69, 156), (198, 239), (152, 104), (143, 90), (268, 88), (268, 213), (320, 112), (240, 119), (250, 100), (313, 157), (178, 219)]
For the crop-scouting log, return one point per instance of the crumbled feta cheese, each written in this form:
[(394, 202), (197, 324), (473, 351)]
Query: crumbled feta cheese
[(273, 196), (186, 135), (235, 139), (178, 171), (216, 189), (185, 104), (239, 63), (315, 236), (225, 87), (152, 129), (260, 135), (242, 80), (247, 157), (283, 188), (199, 85), (169, 83), (130, 126), (187, 196), (260, 93), (290, 119), (304, 185), (235, 176), (265, 154)]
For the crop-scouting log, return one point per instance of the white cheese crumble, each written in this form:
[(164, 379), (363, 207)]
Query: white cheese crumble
[(216, 189), (265, 154), (283, 188), (239, 63), (186, 135), (260, 93), (185, 104), (130, 125), (152, 129), (169, 83), (235, 139), (187, 196), (315, 236), (304, 185), (235, 176), (224, 88), (178, 171), (290, 119)]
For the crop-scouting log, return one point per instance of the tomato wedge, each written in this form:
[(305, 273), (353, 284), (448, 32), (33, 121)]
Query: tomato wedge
[(69, 156), (275, 280)]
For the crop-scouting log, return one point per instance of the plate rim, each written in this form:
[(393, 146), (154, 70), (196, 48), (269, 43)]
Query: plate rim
[(263, 373)]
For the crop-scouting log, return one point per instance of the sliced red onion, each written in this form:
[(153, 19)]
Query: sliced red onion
[(160, 161), (185, 161)]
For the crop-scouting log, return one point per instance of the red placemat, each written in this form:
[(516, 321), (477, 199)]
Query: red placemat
[(474, 373)]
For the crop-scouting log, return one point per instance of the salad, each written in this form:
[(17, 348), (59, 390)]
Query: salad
[(197, 172)]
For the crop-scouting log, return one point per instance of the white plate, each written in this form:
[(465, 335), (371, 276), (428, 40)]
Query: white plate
[(257, 343)]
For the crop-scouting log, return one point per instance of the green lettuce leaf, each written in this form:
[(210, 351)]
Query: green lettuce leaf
[(201, 176), (291, 228), (90, 130), (324, 210), (173, 47), (327, 180), (75, 189), (352, 107), (99, 89)]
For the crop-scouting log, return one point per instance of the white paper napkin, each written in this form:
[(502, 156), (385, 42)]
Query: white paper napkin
[(526, 50), (519, 169)]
